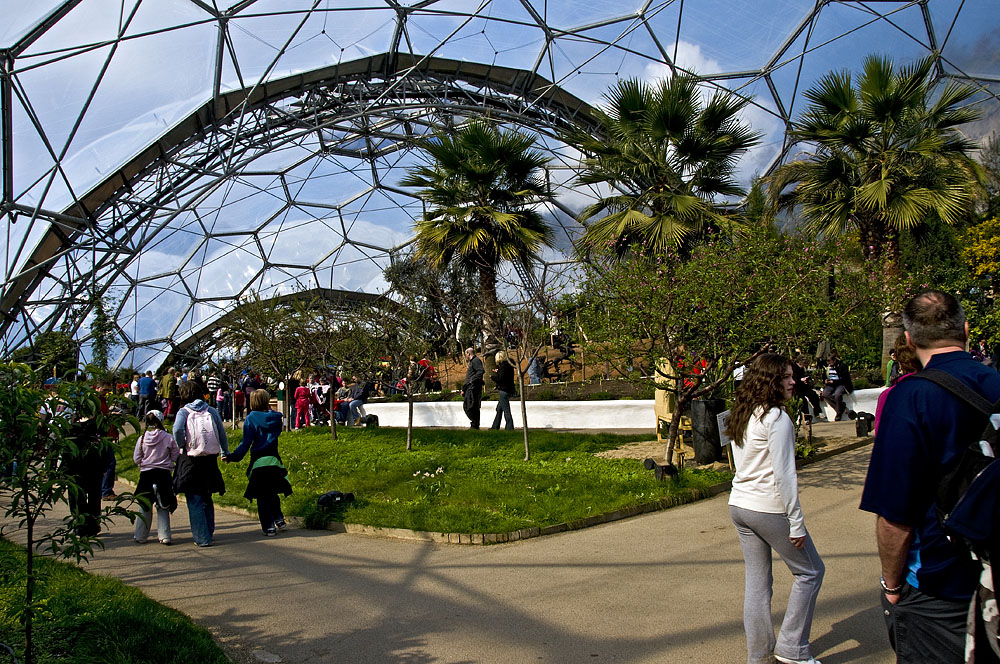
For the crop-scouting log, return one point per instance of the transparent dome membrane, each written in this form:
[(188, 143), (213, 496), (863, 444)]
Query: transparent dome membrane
[(175, 159)]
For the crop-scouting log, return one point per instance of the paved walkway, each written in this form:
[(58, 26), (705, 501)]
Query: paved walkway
[(664, 587)]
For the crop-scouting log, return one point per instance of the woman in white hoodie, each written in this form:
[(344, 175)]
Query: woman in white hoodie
[(764, 506)]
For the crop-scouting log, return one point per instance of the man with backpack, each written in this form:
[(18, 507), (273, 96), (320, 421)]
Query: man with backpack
[(925, 429)]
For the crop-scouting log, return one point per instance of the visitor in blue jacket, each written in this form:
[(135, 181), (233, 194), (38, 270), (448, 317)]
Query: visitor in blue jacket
[(267, 477)]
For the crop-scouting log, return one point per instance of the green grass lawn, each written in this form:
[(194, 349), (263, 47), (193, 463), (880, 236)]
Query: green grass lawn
[(456, 480), (96, 620)]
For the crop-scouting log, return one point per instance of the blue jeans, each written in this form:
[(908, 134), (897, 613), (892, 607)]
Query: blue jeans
[(759, 533), (353, 413), (108, 478), (201, 513), (145, 520), (503, 410)]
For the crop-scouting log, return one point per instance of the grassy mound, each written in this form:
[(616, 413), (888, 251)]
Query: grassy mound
[(456, 480), (96, 620)]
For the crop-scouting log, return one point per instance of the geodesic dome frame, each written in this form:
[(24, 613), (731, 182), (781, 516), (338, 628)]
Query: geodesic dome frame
[(201, 151)]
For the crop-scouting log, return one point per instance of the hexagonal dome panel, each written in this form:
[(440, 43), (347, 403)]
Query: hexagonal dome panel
[(177, 154)]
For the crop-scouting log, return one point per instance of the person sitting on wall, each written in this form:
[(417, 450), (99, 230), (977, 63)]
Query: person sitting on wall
[(837, 385)]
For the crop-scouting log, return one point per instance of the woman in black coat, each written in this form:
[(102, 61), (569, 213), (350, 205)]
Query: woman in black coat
[(503, 376)]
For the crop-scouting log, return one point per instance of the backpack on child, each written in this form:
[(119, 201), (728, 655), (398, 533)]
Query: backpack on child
[(201, 437), (968, 504)]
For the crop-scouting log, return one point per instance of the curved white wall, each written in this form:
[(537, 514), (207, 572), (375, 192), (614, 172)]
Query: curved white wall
[(620, 414)]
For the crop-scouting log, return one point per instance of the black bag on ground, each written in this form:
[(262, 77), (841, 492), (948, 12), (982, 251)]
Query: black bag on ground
[(370, 421), (332, 499)]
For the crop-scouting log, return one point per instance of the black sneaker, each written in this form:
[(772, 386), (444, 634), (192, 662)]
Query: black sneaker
[(270, 532), (280, 524)]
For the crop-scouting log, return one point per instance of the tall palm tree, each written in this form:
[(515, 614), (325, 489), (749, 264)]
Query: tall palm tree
[(481, 188), (887, 155), (667, 154)]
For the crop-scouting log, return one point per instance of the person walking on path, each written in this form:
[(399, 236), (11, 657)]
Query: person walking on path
[(155, 454), (764, 507), (168, 392), (201, 437), (503, 376), (267, 477), (147, 394), (927, 581), (472, 390)]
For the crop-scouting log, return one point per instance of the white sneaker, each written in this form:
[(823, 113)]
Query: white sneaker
[(788, 660)]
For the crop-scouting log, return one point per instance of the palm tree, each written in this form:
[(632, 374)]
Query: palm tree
[(481, 189), (887, 155), (667, 155)]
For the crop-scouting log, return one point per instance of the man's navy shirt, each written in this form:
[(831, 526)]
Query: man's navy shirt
[(922, 429), (147, 386)]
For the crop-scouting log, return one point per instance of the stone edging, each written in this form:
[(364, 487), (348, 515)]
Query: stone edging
[(683, 498)]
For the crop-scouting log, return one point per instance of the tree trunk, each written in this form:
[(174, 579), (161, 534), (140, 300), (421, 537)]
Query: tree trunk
[(409, 416), (286, 412), (29, 592), (333, 414), (491, 309), (892, 327), (524, 414), (675, 423)]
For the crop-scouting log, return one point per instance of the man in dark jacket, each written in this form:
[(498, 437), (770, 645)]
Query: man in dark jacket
[(472, 390), (927, 581), (838, 384)]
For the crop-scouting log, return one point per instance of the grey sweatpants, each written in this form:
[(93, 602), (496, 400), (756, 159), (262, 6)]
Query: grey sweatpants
[(759, 533)]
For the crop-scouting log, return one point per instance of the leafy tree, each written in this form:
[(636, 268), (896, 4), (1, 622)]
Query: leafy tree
[(989, 157), (445, 296), (980, 255), (480, 190), (524, 332), (103, 333), (667, 155), (691, 322), (270, 334), (52, 354), (387, 338), (887, 155), (41, 440)]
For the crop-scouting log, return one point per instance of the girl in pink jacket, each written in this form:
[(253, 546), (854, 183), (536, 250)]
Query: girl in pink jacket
[(155, 453)]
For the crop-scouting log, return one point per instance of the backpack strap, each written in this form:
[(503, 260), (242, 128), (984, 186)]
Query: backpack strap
[(959, 389)]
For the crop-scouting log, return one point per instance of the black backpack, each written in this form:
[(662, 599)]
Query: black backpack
[(968, 492), (968, 505), (332, 499)]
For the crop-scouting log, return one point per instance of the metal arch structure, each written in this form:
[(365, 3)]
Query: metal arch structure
[(179, 226), (339, 301), (359, 99)]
